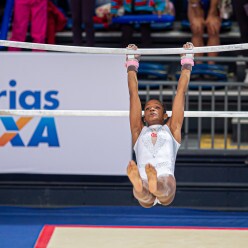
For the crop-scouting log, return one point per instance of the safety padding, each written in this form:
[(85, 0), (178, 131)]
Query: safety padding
[(152, 71), (206, 72)]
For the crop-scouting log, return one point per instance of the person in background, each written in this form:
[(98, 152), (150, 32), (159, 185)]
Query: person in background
[(136, 7), (56, 22), (82, 13), (2, 4), (25, 12), (241, 12), (205, 14)]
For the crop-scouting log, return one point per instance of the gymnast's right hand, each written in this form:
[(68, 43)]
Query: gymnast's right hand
[(136, 56), (187, 60), (132, 61)]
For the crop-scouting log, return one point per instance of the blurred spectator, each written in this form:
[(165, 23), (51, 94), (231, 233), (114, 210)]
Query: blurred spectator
[(2, 4), (226, 9), (6, 10), (136, 7), (169, 8), (103, 8), (83, 12), (204, 14), (63, 5), (241, 11), (55, 23), (25, 11)]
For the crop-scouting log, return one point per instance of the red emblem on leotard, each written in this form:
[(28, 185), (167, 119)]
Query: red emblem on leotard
[(154, 135)]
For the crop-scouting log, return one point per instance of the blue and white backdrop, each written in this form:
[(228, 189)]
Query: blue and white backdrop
[(64, 145)]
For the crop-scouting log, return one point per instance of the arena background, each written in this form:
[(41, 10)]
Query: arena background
[(71, 171)]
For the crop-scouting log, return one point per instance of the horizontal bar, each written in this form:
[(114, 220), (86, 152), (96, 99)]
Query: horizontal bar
[(100, 50), (195, 83), (113, 113), (208, 58)]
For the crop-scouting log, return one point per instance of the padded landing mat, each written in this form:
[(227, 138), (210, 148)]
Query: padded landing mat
[(140, 237)]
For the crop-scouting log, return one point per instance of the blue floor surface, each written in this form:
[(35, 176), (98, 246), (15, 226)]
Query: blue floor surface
[(20, 227)]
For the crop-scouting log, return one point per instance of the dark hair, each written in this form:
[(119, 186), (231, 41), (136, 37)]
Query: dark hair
[(156, 99)]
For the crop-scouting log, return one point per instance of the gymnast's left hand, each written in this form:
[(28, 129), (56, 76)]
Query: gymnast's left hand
[(136, 56)]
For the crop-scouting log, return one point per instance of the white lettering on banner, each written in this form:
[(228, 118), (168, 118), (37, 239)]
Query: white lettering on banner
[(63, 145)]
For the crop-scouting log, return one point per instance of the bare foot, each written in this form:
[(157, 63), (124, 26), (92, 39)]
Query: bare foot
[(134, 176), (152, 178)]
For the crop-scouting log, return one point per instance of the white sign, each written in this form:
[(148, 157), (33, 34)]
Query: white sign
[(64, 145)]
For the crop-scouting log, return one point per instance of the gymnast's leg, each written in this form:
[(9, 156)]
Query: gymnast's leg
[(140, 187), (163, 187)]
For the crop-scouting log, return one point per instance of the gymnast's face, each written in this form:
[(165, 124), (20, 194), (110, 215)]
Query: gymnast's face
[(154, 113)]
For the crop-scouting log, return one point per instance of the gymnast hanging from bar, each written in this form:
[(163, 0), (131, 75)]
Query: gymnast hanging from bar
[(155, 144)]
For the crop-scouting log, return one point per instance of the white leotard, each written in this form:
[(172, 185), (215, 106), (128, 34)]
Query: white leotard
[(162, 155)]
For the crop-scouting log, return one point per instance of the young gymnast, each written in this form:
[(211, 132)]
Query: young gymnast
[(155, 144)]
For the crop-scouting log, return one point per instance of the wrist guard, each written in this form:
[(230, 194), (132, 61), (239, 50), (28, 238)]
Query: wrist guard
[(132, 62), (187, 61)]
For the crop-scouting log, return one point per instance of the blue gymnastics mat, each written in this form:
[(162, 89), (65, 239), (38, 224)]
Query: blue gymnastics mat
[(20, 227)]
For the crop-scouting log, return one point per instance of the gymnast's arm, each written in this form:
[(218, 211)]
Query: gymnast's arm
[(135, 115), (176, 121)]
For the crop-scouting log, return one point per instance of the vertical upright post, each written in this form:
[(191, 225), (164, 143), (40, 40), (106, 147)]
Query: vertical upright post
[(225, 119), (199, 118), (212, 119), (238, 123), (147, 92), (161, 92), (186, 127)]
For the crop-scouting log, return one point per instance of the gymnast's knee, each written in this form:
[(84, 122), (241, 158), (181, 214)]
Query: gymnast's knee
[(167, 195), (165, 201), (146, 205)]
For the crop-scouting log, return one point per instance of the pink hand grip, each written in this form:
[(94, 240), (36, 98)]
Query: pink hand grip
[(187, 61)]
